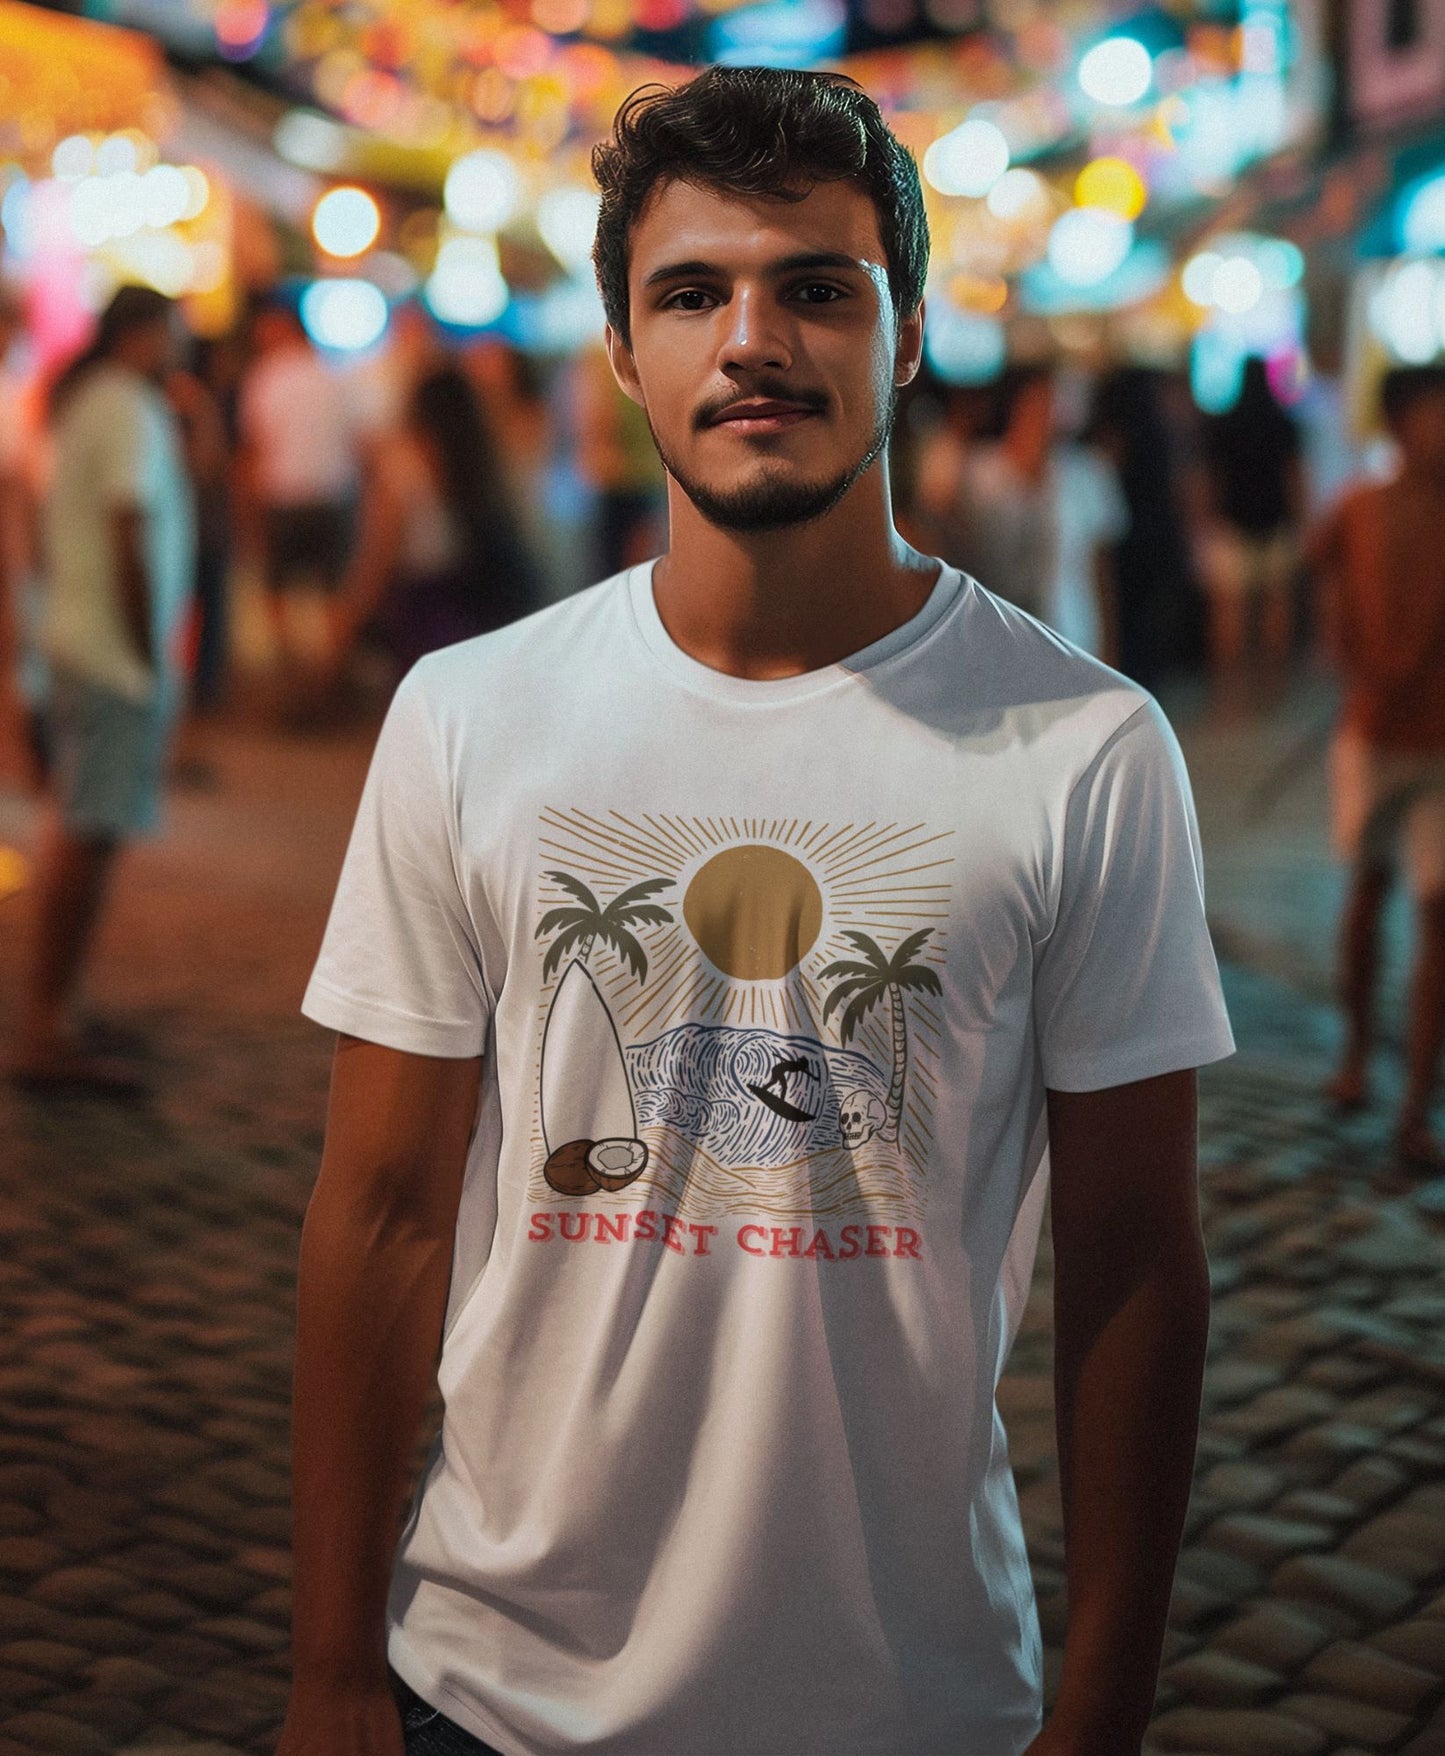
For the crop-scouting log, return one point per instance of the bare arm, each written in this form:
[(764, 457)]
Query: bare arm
[(374, 557), (1324, 557), (132, 578), (1131, 1320), (375, 1266)]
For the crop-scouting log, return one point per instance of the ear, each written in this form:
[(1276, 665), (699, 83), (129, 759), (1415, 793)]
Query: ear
[(908, 356), (624, 367)]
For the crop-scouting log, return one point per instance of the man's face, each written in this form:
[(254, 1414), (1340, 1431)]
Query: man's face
[(764, 348)]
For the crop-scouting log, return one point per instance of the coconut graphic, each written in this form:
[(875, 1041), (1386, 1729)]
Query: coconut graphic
[(567, 1169), (616, 1163), (589, 1125)]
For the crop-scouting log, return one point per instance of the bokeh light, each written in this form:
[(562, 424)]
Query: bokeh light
[(165, 195), (345, 315), (73, 158), (241, 27), (1117, 72), (1113, 185), (482, 191), (346, 221), (1198, 277), (1018, 195), (1405, 311), (1422, 217), (466, 287), (1086, 245), (963, 347), (116, 156), (567, 220), (968, 160), (1237, 287)]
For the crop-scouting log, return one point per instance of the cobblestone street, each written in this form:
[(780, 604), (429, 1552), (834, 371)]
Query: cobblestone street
[(147, 1256)]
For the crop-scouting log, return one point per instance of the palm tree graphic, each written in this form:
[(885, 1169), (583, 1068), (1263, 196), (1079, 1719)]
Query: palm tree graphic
[(860, 985), (584, 921)]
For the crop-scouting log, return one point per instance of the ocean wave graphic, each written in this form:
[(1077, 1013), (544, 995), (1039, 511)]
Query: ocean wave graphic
[(712, 1085)]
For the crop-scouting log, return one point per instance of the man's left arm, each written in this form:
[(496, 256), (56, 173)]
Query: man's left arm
[(1131, 1322)]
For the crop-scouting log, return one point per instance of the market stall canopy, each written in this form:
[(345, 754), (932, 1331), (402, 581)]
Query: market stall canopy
[(62, 75)]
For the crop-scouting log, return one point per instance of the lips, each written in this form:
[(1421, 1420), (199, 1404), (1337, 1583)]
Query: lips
[(763, 416)]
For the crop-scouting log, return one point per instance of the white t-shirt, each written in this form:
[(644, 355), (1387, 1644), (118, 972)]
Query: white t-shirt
[(116, 445), (298, 417), (770, 979)]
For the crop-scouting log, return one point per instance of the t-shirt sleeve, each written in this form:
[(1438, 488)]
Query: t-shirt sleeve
[(1126, 985), (401, 963)]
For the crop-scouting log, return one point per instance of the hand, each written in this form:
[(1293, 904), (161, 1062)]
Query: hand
[(341, 1723)]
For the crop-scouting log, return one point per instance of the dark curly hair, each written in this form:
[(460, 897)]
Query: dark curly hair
[(757, 131)]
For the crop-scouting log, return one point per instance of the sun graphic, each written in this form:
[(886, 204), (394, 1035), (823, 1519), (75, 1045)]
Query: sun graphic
[(755, 911)]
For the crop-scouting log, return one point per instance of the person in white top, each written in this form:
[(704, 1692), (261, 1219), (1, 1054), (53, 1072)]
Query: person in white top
[(719, 959), (1033, 514), (119, 544), (298, 465)]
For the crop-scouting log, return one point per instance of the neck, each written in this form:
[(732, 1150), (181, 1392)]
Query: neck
[(768, 604)]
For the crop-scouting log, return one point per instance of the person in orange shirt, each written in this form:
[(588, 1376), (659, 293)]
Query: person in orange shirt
[(1381, 561)]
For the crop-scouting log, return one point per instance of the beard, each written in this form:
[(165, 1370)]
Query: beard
[(775, 498)]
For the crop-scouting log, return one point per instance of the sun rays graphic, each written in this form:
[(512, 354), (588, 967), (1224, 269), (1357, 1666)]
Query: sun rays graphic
[(745, 917)]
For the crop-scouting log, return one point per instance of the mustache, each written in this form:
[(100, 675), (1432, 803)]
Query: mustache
[(765, 390)]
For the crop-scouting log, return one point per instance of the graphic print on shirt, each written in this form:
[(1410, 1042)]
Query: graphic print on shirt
[(738, 1014)]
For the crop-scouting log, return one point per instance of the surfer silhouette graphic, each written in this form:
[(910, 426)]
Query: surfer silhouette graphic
[(774, 1089)]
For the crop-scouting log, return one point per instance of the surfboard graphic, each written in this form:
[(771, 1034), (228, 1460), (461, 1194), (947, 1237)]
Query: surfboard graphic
[(585, 1090)]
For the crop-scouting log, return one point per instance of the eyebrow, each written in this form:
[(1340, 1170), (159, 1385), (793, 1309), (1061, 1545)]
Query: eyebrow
[(803, 261)]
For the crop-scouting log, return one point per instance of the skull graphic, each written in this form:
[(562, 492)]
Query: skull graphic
[(860, 1116)]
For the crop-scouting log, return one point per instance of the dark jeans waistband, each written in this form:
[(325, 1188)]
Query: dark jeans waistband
[(429, 1732)]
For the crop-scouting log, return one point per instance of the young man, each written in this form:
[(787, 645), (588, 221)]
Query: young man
[(715, 956), (1379, 557), (119, 550)]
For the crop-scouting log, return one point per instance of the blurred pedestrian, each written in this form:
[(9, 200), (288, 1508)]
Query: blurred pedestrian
[(514, 397), (22, 473), (1254, 507), (119, 544), (1031, 514), (201, 418), (441, 555), (616, 459), (1155, 589), (298, 467), (1381, 562)]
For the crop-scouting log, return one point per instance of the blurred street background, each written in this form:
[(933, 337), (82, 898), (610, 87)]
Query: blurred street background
[(1185, 340)]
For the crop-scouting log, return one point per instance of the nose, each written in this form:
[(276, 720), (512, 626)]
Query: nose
[(754, 337)]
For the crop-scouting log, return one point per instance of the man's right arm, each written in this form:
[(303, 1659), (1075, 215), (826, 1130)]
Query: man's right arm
[(376, 1254)]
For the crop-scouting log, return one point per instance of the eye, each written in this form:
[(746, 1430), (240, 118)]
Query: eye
[(688, 299), (819, 292)]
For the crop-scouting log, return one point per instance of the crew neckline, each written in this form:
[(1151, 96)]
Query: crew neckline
[(702, 679)]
